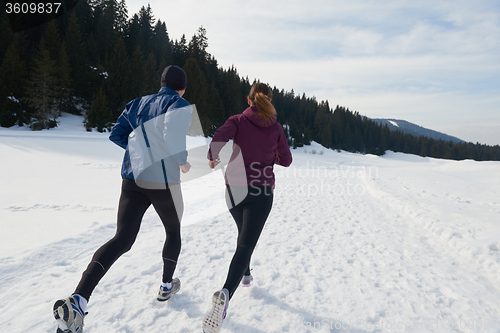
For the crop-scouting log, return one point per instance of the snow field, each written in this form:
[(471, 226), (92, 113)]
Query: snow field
[(354, 243)]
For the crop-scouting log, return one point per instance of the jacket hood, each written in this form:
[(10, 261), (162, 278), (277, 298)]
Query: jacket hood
[(251, 114)]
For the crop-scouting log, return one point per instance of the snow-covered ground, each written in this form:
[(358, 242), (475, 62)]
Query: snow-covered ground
[(354, 243)]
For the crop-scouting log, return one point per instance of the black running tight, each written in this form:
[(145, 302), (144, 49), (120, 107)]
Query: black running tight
[(134, 201), (250, 216)]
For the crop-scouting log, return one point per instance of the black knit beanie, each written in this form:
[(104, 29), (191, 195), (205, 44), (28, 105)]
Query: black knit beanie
[(174, 78)]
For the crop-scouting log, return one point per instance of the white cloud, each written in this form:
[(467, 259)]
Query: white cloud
[(434, 59)]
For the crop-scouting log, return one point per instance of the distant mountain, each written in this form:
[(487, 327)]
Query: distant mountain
[(409, 128)]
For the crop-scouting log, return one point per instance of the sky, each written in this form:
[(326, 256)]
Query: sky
[(433, 63)]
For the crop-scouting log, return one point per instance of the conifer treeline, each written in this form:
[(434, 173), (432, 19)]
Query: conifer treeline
[(96, 59)]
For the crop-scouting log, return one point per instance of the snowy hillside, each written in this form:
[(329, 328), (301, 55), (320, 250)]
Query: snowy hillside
[(416, 130), (354, 243)]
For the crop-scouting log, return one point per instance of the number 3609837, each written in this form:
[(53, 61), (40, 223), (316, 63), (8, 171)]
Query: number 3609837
[(32, 8)]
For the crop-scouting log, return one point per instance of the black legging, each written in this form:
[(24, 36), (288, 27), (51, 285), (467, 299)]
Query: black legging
[(250, 216), (134, 201)]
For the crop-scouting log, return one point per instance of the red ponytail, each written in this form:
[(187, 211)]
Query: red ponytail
[(260, 95)]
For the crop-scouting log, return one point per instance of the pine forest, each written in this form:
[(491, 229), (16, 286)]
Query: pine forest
[(97, 58)]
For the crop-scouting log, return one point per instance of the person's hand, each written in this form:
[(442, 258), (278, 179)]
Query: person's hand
[(185, 168), (213, 164)]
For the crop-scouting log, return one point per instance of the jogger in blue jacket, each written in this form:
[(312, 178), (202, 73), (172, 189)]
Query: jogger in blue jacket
[(152, 130)]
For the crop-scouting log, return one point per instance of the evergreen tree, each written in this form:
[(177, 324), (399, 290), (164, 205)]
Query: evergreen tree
[(138, 84), (106, 34), (43, 90), (13, 75), (81, 90), (208, 102), (424, 149), (64, 79), (230, 93), (322, 125), (74, 43), (287, 133), (180, 51), (338, 127), (142, 33), (99, 115), (51, 40), (347, 138), (357, 140), (85, 17), (384, 136), (161, 45), (152, 74), (197, 47), (135, 37), (117, 86), (7, 36), (307, 136), (121, 18), (197, 93), (93, 51), (326, 136), (215, 108)]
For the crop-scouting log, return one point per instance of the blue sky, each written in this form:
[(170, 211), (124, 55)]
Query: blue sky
[(434, 63)]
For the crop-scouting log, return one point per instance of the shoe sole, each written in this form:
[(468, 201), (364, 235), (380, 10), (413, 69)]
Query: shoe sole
[(62, 315), (165, 299), (213, 320)]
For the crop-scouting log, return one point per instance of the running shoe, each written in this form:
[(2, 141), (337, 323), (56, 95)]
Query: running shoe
[(213, 320), (165, 293), (69, 315), (246, 280)]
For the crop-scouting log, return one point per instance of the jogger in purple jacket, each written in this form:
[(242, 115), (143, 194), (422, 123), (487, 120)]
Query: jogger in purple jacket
[(261, 141)]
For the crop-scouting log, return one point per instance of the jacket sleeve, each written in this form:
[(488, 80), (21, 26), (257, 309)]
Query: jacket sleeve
[(221, 137), (122, 129), (283, 155), (177, 122)]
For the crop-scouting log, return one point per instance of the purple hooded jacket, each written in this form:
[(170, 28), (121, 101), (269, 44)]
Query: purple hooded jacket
[(262, 145)]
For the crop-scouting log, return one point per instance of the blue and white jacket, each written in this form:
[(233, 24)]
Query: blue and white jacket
[(152, 130)]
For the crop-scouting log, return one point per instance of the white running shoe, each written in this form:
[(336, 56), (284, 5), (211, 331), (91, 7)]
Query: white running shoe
[(246, 280), (69, 315), (164, 293), (213, 320)]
